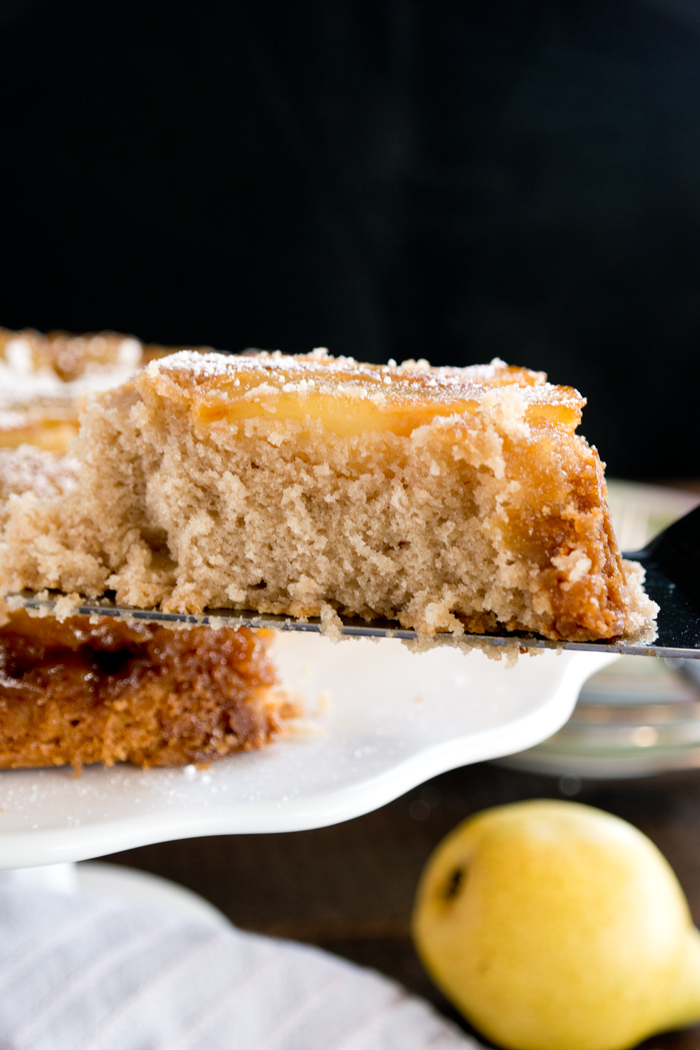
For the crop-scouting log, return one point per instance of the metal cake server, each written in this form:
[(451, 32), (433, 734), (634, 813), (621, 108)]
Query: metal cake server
[(671, 560)]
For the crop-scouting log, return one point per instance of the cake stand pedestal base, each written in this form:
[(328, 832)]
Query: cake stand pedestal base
[(112, 880)]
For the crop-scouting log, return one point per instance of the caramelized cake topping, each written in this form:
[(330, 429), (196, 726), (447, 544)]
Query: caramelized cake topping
[(66, 356), (79, 692), (45, 381), (350, 397)]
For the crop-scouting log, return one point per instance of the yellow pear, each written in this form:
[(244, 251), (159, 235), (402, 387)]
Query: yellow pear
[(555, 926)]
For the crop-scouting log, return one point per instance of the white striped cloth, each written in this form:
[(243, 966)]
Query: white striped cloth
[(83, 973)]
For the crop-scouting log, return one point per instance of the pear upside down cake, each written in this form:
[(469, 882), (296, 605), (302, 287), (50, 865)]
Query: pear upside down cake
[(446, 499)]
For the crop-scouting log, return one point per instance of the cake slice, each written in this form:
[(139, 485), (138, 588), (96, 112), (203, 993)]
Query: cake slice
[(446, 499)]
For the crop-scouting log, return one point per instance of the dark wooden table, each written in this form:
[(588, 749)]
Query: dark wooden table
[(349, 888)]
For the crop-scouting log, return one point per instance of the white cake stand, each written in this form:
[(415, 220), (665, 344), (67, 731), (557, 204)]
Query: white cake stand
[(379, 720)]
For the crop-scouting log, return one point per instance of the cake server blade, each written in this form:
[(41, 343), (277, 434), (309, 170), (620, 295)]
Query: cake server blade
[(671, 561)]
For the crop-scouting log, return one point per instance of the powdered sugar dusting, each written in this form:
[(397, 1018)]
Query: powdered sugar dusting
[(30, 469), (269, 374)]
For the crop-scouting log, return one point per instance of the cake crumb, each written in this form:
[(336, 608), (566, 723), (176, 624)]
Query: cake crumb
[(331, 624)]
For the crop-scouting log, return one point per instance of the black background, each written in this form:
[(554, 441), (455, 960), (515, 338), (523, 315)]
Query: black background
[(389, 178)]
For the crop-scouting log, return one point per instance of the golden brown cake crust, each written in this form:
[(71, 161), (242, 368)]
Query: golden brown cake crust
[(446, 499), (76, 693)]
